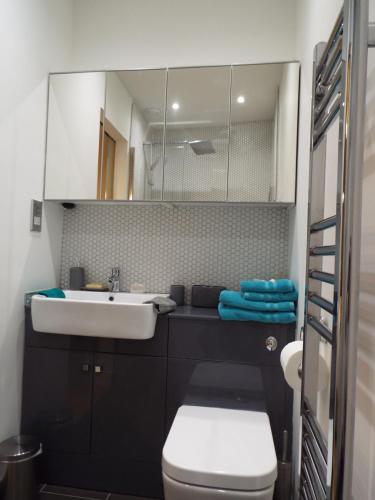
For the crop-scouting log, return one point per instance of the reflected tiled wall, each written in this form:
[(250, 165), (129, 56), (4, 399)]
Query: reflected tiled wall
[(190, 177), (160, 245)]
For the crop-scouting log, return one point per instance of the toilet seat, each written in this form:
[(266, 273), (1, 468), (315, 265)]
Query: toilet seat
[(221, 448), (174, 490)]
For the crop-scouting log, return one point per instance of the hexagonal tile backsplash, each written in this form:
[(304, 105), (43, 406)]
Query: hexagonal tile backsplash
[(161, 245)]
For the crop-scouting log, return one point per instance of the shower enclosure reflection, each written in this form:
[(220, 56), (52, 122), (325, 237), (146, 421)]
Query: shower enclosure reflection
[(197, 134), (139, 100)]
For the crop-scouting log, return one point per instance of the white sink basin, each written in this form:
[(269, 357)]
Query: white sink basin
[(96, 314)]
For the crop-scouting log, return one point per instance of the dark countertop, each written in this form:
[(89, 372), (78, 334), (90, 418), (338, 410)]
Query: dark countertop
[(191, 312)]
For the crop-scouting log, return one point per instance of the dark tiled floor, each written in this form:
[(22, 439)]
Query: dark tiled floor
[(49, 492)]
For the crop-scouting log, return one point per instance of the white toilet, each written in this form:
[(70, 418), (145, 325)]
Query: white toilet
[(219, 454)]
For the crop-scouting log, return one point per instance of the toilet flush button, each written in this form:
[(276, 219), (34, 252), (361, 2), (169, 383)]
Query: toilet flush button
[(271, 344)]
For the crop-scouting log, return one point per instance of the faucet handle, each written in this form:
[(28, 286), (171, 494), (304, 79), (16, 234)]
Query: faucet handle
[(115, 272)]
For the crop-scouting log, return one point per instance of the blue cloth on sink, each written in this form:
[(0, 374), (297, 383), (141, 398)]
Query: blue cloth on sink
[(234, 299), (52, 293), (271, 296), (235, 314), (281, 285)]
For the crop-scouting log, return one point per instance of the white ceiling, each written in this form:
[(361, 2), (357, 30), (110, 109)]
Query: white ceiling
[(204, 93)]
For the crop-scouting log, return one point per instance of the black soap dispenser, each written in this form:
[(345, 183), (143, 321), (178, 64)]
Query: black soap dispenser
[(76, 276)]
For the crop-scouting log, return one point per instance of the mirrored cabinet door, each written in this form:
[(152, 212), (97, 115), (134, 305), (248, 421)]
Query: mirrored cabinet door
[(207, 134), (197, 134), (263, 133), (76, 105), (132, 162), (105, 136)]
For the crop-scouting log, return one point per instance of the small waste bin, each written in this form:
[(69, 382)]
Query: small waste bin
[(18, 468)]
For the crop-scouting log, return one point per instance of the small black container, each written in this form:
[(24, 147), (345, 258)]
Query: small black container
[(205, 296), (177, 293), (77, 278)]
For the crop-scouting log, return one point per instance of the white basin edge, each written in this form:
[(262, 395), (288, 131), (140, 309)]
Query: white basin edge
[(96, 317)]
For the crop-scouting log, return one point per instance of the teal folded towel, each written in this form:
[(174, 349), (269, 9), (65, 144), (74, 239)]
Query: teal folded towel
[(282, 285), (52, 293), (271, 297), (233, 314), (235, 299)]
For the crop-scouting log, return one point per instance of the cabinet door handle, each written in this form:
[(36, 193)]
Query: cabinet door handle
[(98, 369), (85, 367)]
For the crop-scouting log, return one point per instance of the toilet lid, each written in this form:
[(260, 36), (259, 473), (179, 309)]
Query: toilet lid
[(221, 448)]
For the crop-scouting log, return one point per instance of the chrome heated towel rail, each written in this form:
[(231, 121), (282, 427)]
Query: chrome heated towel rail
[(339, 76)]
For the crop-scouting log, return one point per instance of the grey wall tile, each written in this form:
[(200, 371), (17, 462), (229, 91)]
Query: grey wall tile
[(160, 245)]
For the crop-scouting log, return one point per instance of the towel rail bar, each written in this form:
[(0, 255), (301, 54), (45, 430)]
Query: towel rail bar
[(320, 328), (321, 302), (304, 494), (320, 465), (323, 224), (323, 251), (328, 90), (330, 67), (328, 95), (327, 118), (308, 416), (309, 475), (322, 276), (313, 472), (319, 458), (306, 481), (336, 32)]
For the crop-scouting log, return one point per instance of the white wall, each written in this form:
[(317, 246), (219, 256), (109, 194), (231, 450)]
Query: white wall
[(364, 435), (34, 39), (115, 34), (118, 105), (287, 117), (75, 104)]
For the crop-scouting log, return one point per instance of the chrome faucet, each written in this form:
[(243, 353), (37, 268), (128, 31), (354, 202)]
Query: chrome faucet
[(114, 279)]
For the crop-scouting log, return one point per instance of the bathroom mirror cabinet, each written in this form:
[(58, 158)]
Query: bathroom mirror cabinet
[(205, 134)]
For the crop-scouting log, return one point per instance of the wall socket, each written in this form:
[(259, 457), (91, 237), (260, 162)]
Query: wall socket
[(36, 216)]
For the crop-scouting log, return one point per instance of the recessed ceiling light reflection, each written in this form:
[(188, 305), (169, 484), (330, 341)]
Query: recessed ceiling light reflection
[(240, 99), (175, 106)]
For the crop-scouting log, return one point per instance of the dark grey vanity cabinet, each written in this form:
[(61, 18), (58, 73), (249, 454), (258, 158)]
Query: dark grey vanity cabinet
[(102, 407), (98, 407), (128, 406), (57, 391)]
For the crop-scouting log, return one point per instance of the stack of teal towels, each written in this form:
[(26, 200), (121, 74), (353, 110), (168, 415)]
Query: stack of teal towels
[(270, 301)]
